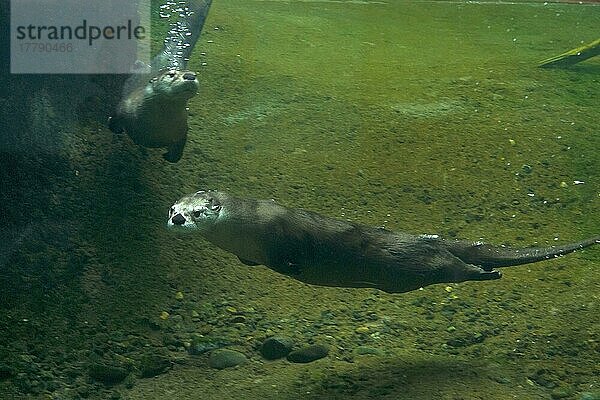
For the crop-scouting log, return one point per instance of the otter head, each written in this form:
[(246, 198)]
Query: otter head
[(197, 211), (174, 84)]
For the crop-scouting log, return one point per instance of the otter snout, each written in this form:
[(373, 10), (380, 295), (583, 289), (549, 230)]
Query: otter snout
[(178, 219), (189, 76)]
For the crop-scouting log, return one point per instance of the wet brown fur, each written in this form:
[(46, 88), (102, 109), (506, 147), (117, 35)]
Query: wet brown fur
[(324, 251)]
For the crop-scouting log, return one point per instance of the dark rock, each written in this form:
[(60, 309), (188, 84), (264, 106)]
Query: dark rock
[(154, 364), (107, 374), (466, 339), (238, 319), (225, 358), (308, 354), (172, 340), (501, 379), (276, 347)]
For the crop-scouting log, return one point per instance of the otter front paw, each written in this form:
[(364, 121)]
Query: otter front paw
[(115, 126), (172, 157), (175, 151)]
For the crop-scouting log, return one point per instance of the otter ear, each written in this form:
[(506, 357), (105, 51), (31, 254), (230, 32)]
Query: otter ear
[(114, 124)]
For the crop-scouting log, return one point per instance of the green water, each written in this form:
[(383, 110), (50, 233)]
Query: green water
[(437, 97), (426, 117)]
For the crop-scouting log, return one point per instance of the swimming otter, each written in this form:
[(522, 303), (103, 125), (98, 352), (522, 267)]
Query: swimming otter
[(153, 110), (324, 251)]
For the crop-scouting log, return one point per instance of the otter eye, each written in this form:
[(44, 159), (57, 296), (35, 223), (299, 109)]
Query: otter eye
[(215, 207), (197, 213)]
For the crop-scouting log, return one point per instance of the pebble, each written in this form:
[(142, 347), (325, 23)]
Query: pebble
[(238, 319), (465, 339), (561, 393), (154, 364), (225, 358), (308, 354), (362, 329), (365, 350), (276, 347), (590, 396), (200, 344), (107, 374)]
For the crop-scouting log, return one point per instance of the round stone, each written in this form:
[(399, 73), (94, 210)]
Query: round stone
[(225, 358), (308, 354), (276, 347)]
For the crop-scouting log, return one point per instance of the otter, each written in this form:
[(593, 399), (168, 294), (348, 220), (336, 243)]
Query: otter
[(324, 251), (153, 108)]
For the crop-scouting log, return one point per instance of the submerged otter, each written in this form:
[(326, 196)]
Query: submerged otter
[(324, 251), (153, 110)]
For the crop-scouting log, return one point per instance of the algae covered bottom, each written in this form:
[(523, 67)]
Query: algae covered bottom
[(426, 117)]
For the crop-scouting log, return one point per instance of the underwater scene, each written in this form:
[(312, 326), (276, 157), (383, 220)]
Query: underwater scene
[(309, 199)]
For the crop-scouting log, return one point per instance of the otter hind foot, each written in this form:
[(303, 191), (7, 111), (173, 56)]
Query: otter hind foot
[(470, 272), (489, 275), (175, 151)]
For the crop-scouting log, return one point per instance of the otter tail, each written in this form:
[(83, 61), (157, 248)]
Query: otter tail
[(488, 256)]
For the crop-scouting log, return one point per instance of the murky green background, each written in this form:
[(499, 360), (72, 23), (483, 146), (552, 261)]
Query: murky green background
[(426, 117)]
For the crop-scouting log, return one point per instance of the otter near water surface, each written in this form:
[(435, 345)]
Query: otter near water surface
[(153, 108), (324, 251)]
